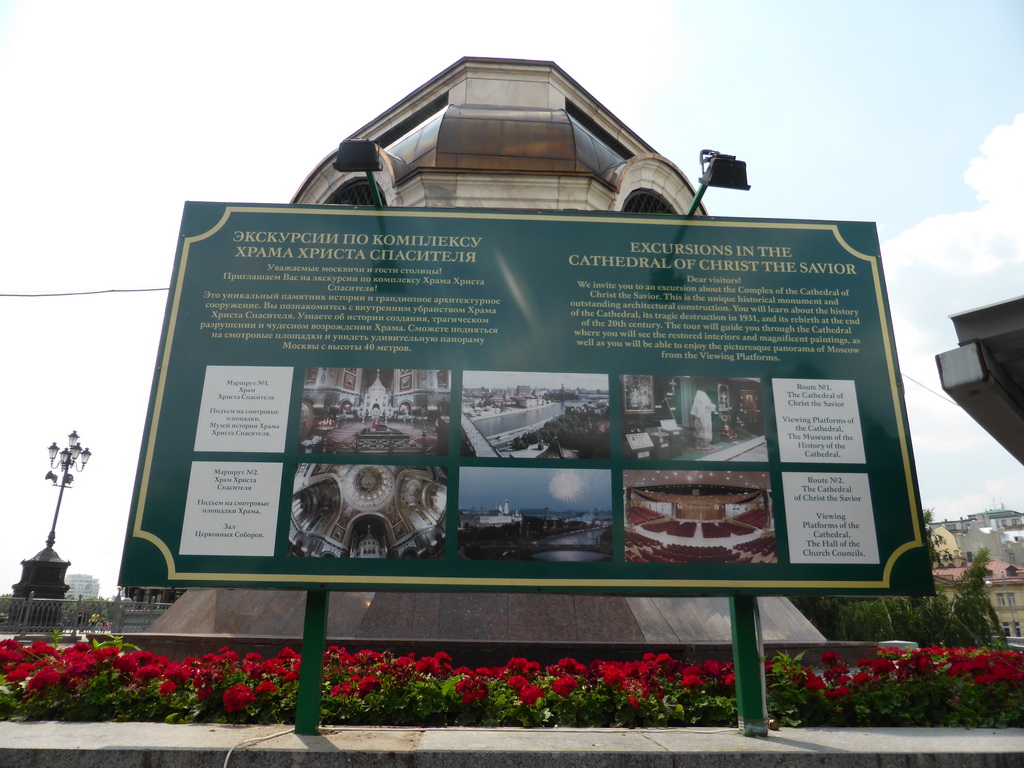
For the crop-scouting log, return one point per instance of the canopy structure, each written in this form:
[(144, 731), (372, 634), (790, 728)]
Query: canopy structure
[(985, 374)]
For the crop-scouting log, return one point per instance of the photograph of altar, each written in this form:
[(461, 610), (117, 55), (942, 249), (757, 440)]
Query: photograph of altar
[(692, 418), (696, 516), (383, 411)]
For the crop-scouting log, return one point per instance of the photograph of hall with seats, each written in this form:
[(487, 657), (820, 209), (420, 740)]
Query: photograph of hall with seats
[(692, 418), (698, 516)]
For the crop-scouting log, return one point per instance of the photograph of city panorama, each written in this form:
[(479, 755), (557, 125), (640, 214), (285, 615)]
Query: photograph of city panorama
[(535, 514), (692, 418), (519, 415), (698, 517), (368, 511), (391, 411)]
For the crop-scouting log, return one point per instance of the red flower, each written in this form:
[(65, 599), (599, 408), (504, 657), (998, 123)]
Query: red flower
[(691, 681), (614, 676), (835, 693), (882, 666), (266, 687), (633, 702), (471, 689), (39, 648), (530, 694), (564, 686), (238, 697), (517, 682), (44, 678), (148, 672), (814, 683), (20, 672), (367, 684), (167, 688), (570, 666)]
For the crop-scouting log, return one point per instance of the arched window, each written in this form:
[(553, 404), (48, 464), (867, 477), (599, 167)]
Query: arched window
[(355, 192), (645, 201)]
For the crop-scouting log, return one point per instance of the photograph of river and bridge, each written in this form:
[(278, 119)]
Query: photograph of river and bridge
[(535, 514), (698, 517), (521, 415)]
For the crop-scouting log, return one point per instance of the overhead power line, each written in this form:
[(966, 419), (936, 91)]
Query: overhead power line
[(80, 293), (926, 389), (143, 290)]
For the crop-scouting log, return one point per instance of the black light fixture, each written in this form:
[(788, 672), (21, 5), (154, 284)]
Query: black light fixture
[(357, 155), (718, 170), (361, 155)]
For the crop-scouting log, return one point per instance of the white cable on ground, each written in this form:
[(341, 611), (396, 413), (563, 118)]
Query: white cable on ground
[(249, 742)]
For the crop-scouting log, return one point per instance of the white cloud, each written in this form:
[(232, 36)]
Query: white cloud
[(944, 265), (997, 175), (975, 245)]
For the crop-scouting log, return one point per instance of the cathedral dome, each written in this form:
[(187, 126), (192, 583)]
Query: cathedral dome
[(504, 133), (510, 139)]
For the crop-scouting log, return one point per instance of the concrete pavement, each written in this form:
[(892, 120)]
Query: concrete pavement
[(155, 745)]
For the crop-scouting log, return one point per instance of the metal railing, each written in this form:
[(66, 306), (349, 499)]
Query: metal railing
[(47, 616)]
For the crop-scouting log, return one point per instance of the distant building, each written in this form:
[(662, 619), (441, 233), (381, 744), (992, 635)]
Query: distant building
[(82, 585), (1005, 588), (1000, 531)]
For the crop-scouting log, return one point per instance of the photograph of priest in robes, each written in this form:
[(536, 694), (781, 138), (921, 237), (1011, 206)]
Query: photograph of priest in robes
[(694, 418)]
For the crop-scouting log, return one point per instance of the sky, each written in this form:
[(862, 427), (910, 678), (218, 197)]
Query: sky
[(908, 114), (557, 489)]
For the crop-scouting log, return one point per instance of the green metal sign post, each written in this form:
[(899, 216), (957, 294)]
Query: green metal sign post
[(748, 660), (314, 643)]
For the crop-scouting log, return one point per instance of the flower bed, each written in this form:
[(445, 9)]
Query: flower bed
[(114, 682)]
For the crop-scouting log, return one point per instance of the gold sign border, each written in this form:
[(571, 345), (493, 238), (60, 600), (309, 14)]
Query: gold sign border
[(451, 581)]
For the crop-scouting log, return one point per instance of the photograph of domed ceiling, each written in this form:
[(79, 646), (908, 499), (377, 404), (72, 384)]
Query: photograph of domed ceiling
[(368, 511)]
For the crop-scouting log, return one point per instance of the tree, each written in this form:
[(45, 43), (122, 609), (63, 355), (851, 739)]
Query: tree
[(965, 618)]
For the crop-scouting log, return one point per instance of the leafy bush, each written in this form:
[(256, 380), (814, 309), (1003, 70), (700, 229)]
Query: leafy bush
[(112, 681)]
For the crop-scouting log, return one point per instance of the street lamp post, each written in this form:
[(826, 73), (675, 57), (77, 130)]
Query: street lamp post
[(42, 576), (718, 170), (72, 457)]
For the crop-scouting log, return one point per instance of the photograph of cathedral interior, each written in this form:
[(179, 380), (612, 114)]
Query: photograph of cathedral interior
[(533, 415), (560, 515), (692, 418), (698, 517), (368, 511), (391, 411)]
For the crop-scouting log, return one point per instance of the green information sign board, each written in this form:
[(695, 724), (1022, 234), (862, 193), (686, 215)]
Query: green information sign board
[(481, 400)]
